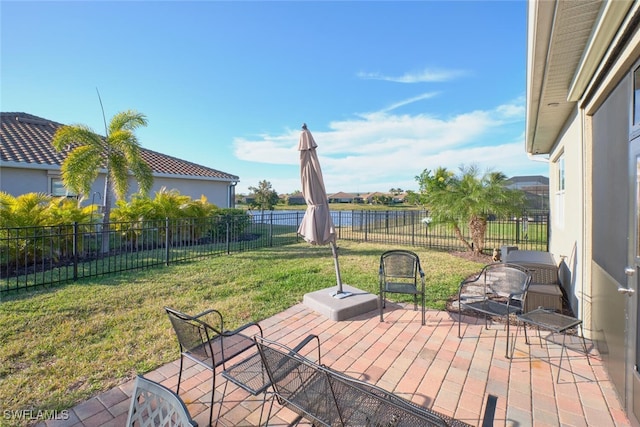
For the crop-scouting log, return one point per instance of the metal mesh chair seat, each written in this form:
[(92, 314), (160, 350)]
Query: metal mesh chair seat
[(299, 385), (249, 374), (400, 272), (328, 398), (493, 308), (204, 340), (401, 288), (363, 404), (153, 405), (502, 290), (223, 347)]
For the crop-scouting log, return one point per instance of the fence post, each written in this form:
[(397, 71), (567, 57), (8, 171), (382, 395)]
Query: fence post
[(166, 241), (270, 228), (365, 224), (75, 251), (517, 230), (413, 228), (386, 221), (227, 235)]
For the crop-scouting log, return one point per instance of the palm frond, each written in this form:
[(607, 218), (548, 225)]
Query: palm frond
[(127, 120), (76, 135), (81, 167), (119, 174)]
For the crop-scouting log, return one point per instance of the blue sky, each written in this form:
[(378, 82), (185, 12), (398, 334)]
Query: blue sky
[(387, 89)]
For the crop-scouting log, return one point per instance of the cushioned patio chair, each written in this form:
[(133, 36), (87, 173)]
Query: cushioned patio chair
[(500, 291), (204, 340), (401, 273), (154, 405)]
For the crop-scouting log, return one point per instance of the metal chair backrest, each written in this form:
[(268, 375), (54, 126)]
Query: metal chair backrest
[(332, 398), (506, 280), (297, 382), (363, 404), (400, 267), (195, 338), (154, 405)]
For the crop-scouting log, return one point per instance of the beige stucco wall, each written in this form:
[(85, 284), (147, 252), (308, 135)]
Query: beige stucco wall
[(17, 181), (567, 234), (216, 192), (20, 181)]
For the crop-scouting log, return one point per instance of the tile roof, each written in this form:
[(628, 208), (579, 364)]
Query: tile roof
[(341, 195), (27, 139)]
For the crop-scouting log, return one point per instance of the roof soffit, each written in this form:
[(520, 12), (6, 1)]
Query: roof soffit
[(563, 29)]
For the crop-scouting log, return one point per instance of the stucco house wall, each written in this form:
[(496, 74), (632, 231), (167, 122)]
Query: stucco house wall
[(28, 163), (16, 180), (580, 98), (566, 206)]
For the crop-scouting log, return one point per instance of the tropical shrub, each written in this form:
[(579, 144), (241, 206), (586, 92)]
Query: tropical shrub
[(468, 197), (36, 226)]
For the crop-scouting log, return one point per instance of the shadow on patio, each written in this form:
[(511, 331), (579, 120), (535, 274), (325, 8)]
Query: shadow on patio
[(427, 364)]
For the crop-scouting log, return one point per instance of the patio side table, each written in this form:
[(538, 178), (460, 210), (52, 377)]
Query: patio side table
[(556, 323)]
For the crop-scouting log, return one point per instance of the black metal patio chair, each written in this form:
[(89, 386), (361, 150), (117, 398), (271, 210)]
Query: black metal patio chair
[(501, 291), (153, 404), (400, 272), (204, 340)]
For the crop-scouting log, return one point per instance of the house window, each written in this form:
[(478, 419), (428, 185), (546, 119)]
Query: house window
[(58, 188), (560, 191)]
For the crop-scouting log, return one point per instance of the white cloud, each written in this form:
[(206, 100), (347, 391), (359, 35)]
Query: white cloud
[(279, 149), (379, 150), (410, 101), (424, 76)]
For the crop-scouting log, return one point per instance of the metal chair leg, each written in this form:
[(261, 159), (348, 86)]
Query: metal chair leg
[(564, 337), (180, 374), (506, 351), (584, 344)]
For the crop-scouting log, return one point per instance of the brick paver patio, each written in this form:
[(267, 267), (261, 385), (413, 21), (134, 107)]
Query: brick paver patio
[(426, 364)]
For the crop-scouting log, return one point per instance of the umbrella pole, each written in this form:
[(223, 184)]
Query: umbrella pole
[(334, 249), (339, 293)]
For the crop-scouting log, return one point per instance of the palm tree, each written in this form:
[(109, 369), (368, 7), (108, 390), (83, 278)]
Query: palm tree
[(118, 153), (468, 197)]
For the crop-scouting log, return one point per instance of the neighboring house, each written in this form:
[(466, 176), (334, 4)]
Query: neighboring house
[(295, 199), (30, 164), (341, 197), (583, 114), (372, 197), (535, 188), (247, 200), (398, 198)]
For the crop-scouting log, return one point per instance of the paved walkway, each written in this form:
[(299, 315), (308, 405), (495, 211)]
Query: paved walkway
[(427, 364)]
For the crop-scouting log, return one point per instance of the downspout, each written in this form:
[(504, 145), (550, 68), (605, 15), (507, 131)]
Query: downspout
[(232, 195), (583, 250)]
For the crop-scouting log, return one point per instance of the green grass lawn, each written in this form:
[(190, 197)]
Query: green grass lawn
[(63, 345)]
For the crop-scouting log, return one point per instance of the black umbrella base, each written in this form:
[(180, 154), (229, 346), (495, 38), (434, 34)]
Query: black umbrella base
[(336, 308)]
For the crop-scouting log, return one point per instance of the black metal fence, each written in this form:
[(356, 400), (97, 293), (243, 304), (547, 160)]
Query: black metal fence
[(31, 257), (414, 228)]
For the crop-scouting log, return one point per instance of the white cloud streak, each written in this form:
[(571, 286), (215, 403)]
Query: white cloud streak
[(410, 101), (380, 150), (424, 76)]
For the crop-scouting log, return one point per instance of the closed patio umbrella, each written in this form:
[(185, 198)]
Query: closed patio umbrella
[(317, 226)]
